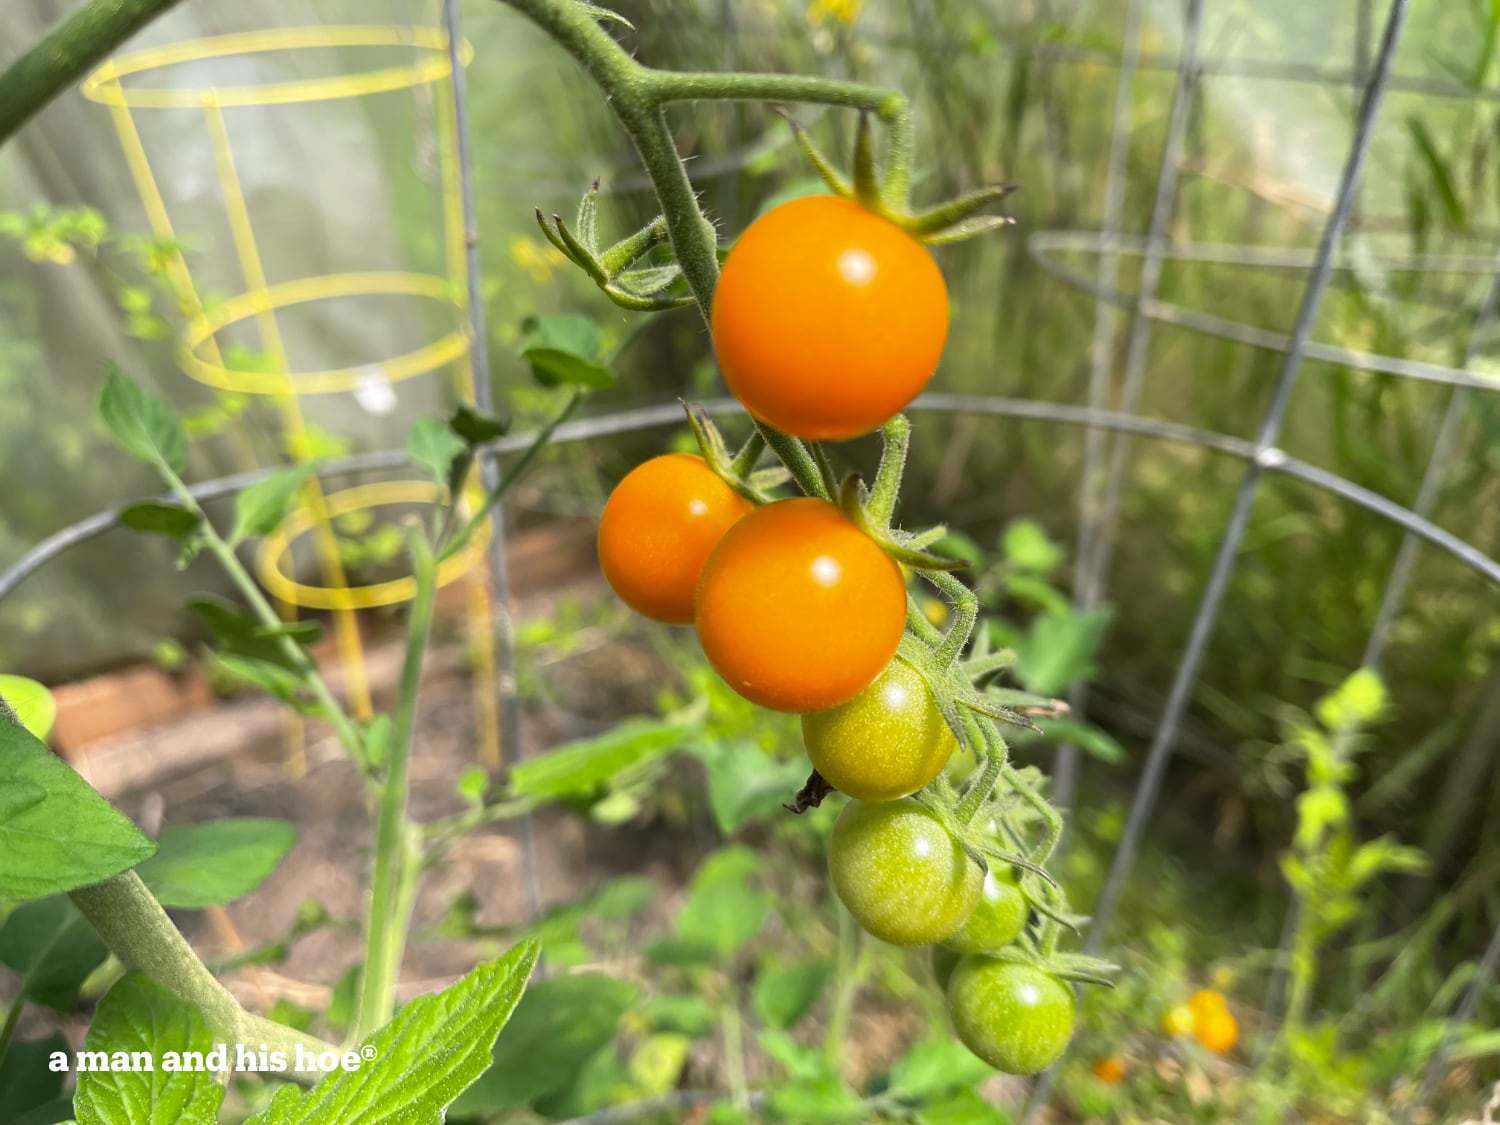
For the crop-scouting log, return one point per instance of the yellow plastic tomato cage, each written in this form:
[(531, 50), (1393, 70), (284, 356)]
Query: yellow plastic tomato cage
[(123, 84)]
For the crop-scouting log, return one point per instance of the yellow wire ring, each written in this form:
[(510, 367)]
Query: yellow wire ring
[(432, 65), (200, 329), (276, 547)]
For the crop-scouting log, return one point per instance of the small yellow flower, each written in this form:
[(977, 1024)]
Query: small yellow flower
[(843, 12), (535, 258), (1178, 1020)]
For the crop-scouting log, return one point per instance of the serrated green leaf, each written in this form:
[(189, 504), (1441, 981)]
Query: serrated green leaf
[(565, 351), (259, 509), (156, 518), (689, 1015), (53, 949), (1027, 545), (582, 769), (32, 703), (429, 1054), (237, 633), (143, 424), (559, 1024), (746, 783), (475, 428), (785, 993), (433, 446), (1059, 649), (822, 1101), (724, 910), (935, 1066), (139, 1015), (214, 863), (56, 832)]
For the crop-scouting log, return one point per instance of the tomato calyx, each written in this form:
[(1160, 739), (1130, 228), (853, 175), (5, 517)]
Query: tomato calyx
[(737, 470), (643, 288), (952, 221)]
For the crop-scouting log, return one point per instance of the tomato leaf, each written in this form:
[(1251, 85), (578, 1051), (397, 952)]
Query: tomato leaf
[(433, 446), (420, 1062), (56, 832), (583, 769), (565, 351), (29, 1089), (139, 1015), (259, 509), (785, 993), (557, 1026), (474, 428), (1059, 649), (171, 520), (213, 863), (143, 424), (53, 949)]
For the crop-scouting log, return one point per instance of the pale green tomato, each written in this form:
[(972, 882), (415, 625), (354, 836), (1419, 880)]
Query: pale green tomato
[(998, 919), (1015, 1017), (887, 742), (901, 873)]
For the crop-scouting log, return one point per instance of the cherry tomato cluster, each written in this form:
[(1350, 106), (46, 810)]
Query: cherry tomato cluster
[(827, 321), (1206, 1016)]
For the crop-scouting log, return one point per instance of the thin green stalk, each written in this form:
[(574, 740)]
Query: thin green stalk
[(794, 454), (67, 53), (389, 911), (509, 477), (1051, 818), (328, 704), (744, 461), (965, 614), (895, 438), (138, 932), (732, 1028), (845, 985), (982, 786)]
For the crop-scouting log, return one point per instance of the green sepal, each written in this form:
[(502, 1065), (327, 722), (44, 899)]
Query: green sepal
[(826, 171), (938, 219), (968, 229), (588, 218), (866, 175)]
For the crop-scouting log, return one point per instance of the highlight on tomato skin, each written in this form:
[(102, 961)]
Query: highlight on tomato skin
[(797, 609), (658, 528), (828, 319)]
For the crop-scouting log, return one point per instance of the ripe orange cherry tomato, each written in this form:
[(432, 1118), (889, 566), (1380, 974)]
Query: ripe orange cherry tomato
[(798, 609), (1217, 1029), (828, 319), (658, 528), (1207, 1000), (1110, 1070)]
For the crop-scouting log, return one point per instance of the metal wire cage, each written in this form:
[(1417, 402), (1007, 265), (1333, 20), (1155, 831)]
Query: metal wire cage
[(1110, 431)]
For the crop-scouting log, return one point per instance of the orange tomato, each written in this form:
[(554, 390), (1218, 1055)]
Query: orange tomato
[(1217, 1029), (658, 528), (828, 319), (798, 609), (1205, 1001), (1110, 1070)]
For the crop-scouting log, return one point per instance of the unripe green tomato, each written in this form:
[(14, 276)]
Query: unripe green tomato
[(900, 873), (887, 742), (944, 961), (1015, 1017), (998, 919)]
